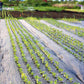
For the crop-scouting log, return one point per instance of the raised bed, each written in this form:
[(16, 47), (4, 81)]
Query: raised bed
[(40, 66), (47, 14)]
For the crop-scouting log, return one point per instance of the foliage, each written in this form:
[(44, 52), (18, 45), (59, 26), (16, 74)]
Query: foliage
[(82, 3), (41, 8)]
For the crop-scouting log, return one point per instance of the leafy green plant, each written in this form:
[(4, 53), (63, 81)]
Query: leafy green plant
[(37, 79), (46, 64), (25, 60), (20, 70), (16, 59), (51, 82), (31, 73), (28, 65), (71, 79), (55, 82), (29, 69), (44, 75), (19, 65), (60, 70), (60, 79), (54, 74), (42, 72), (49, 69)]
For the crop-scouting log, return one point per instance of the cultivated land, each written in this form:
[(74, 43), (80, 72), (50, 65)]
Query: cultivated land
[(42, 51)]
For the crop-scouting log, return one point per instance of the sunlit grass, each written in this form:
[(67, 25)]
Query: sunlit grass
[(75, 10)]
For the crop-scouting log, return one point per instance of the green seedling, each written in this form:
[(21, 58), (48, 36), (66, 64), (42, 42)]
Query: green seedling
[(54, 74), (37, 79), (19, 65), (16, 59), (55, 82), (71, 79), (20, 70), (31, 73), (51, 82), (28, 65)]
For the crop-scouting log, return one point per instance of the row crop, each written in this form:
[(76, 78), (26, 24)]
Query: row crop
[(70, 44), (40, 56), (76, 30), (23, 75)]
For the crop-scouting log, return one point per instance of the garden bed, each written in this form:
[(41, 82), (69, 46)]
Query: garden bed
[(47, 14), (36, 62), (8, 69), (52, 46), (38, 59)]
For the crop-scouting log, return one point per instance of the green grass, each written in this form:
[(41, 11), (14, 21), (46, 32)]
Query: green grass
[(75, 10), (48, 8)]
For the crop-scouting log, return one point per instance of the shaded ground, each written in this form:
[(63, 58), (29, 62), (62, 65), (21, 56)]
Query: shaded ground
[(8, 70), (73, 64)]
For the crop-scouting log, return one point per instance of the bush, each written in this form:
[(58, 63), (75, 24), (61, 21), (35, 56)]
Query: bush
[(48, 8), (81, 3)]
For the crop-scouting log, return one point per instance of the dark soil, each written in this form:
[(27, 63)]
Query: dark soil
[(47, 14)]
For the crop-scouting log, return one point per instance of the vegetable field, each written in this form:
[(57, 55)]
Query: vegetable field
[(45, 55)]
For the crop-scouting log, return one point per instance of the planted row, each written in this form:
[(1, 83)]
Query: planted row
[(74, 29), (73, 46), (29, 69), (46, 63), (23, 75)]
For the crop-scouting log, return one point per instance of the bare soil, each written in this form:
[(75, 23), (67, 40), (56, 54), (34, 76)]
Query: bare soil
[(48, 14)]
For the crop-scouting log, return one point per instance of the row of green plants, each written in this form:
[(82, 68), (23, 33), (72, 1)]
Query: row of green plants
[(70, 20), (28, 42), (42, 58), (33, 56), (70, 44), (74, 29), (16, 58), (29, 69), (58, 9)]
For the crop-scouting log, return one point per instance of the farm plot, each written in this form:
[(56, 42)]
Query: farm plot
[(8, 69), (35, 63), (70, 44), (74, 29), (64, 31), (79, 23)]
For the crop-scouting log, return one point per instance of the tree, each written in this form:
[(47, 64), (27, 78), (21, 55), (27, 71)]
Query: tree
[(5, 0), (17, 1)]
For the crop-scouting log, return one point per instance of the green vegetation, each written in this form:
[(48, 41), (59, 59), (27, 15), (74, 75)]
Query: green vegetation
[(48, 9), (40, 56), (70, 44), (70, 19), (23, 75), (75, 10), (76, 30)]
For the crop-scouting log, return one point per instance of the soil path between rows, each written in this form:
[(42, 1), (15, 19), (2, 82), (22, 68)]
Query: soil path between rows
[(67, 58), (8, 70), (64, 31), (77, 24)]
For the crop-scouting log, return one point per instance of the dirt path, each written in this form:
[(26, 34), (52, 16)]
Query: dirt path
[(78, 24), (69, 59), (64, 31), (8, 70)]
